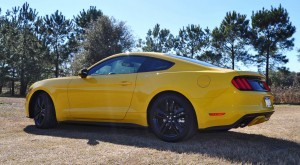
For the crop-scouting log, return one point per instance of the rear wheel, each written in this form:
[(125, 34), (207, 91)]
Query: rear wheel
[(44, 112), (172, 118)]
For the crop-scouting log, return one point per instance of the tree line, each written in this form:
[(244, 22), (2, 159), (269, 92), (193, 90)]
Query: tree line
[(34, 47)]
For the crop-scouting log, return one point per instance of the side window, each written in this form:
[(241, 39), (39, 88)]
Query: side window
[(155, 64), (118, 65)]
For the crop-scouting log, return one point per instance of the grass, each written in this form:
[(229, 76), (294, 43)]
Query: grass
[(274, 142)]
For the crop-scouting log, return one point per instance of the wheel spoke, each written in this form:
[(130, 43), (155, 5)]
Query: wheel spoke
[(38, 113), (178, 126), (163, 128), (179, 113), (172, 106), (42, 112), (39, 118), (167, 105), (176, 130), (160, 114)]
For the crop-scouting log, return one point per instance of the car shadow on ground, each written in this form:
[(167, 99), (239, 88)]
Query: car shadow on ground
[(233, 146)]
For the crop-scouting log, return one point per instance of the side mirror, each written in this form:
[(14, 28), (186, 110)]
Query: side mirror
[(83, 73)]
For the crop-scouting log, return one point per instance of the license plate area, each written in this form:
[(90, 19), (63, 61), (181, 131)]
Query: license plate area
[(268, 102)]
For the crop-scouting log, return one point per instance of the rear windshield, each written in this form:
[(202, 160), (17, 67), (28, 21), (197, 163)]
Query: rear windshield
[(193, 61)]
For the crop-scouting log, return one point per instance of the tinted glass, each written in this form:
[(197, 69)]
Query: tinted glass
[(194, 61), (118, 65), (154, 64)]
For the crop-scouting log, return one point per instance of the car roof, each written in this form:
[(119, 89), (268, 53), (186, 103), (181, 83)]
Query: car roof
[(164, 56), (173, 58)]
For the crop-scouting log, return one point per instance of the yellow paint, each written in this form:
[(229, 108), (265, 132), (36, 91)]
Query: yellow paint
[(125, 98), (203, 81)]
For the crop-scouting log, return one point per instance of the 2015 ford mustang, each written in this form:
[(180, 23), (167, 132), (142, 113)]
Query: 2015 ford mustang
[(173, 95)]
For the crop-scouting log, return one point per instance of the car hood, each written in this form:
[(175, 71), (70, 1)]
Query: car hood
[(54, 82)]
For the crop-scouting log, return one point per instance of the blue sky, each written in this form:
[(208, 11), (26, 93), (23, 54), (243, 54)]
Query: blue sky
[(140, 15)]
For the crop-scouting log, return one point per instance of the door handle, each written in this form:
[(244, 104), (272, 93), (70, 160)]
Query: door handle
[(125, 83)]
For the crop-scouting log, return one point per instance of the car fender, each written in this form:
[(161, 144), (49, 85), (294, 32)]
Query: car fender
[(57, 90)]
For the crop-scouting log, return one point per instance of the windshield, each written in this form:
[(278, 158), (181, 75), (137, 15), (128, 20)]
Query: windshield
[(193, 61)]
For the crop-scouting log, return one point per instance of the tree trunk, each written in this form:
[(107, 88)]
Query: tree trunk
[(22, 83), (13, 83), (13, 87), (56, 69), (23, 89), (267, 65), (56, 63), (232, 57), (22, 75), (1, 86)]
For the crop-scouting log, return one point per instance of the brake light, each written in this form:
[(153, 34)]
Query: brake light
[(250, 83), (241, 83), (266, 86)]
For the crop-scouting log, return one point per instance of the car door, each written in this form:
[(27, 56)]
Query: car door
[(107, 90)]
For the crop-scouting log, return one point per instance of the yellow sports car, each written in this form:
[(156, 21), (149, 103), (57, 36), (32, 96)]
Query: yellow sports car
[(173, 95)]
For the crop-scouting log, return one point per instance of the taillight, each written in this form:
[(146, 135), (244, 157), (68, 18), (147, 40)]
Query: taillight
[(266, 86), (241, 83), (250, 83)]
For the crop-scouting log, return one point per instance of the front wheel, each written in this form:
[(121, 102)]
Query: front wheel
[(44, 112), (172, 118)]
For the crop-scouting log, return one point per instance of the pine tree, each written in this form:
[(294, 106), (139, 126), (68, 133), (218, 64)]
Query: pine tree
[(158, 40), (3, 57), (191, 40), (85, 18), (10, 43), (272, 32), (58, 31), (26, 24), (83, 21), (232, 37), (211, 57), (23, 49)]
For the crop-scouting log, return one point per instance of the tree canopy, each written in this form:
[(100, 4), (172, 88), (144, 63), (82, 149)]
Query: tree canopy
[(232, 37), (191, 40), (158, 40), (85, 18), (104, 37), (34, 47), (272, 33), (58, 33)]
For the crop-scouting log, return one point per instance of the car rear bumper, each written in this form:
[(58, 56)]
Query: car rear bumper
[(232, 107), (247, 120)]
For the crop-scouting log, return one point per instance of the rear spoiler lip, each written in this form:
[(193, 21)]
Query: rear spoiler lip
[(250, 73)]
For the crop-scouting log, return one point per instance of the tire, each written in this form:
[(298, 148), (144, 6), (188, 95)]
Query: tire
[(44, 112), (172, 118)]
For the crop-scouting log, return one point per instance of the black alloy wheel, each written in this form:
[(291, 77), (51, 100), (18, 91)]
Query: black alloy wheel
[(44, 112), (172, 118)]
